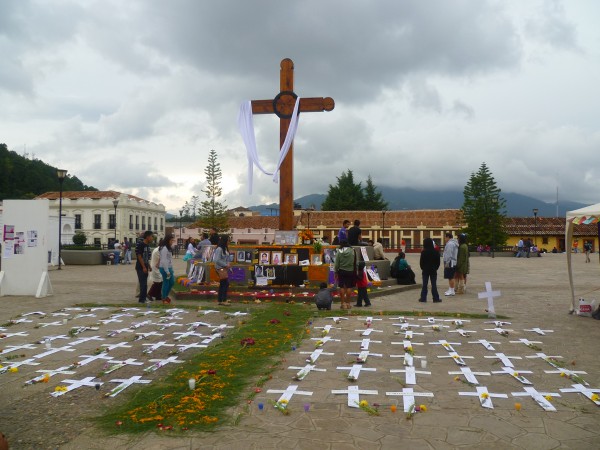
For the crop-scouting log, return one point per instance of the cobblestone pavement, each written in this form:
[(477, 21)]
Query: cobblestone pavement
[(535, 293)]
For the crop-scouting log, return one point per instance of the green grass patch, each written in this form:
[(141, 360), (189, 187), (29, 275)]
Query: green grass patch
[(222, 373)]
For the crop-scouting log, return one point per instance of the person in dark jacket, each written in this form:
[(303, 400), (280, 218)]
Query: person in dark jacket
[(430, 262)]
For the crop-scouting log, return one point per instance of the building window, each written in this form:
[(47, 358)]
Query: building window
[(97, 242), (131, 221), (78, 221), (266, 230), (249, 231), (545, 240), (156, 224), (97, 221), (150, 223), (162, 226), (143, 222), (137, 222), (112, 221)]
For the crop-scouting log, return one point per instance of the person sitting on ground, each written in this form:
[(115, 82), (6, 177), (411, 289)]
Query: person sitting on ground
[(324, 298), (401, 270)]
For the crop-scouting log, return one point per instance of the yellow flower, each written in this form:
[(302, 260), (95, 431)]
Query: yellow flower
[(363, 403), (518, 406), (60, 389), (548, 397), (562, 374), (515, 374), (485, 395), (595, 397), (423, 408), (13, 369), (457, 378), (283, 402)]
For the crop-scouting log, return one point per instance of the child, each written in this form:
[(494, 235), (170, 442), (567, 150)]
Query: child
[(361, 284), (324, 298)]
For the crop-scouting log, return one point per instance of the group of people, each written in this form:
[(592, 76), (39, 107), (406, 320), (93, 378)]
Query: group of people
[(122, 253), (156, 266)]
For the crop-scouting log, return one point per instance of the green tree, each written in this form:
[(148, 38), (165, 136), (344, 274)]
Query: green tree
[(212, 213), (484, 210), (346, 195), (373, 198), (79, 238)]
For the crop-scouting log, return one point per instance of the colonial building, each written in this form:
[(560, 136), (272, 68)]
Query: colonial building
[(108, 215)]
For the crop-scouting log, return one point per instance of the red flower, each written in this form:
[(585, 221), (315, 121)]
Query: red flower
[(274, 321), (247, 341), (212, 372)]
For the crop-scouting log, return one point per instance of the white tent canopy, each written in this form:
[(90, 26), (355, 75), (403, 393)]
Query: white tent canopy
[(588, 215)]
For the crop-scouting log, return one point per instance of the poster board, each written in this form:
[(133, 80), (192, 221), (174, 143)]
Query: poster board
[(25, 248)]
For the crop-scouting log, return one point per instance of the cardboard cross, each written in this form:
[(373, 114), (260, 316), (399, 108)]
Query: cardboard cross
[(237, 314), (501, 331), (355, 371), (76, 384), (207, 311), (489, 295), (527, 342), (75, 308), (337, 319), (287, 393), (457, 322), (86, 339), (115, 365), (432, 320), (49, 324), (192, 326), (353, 393), (79, 316), (158, 363), (39, 313), (130, 309), (409, 334), (151, 347), (164, 326), (78, 330), (60, 314), (124, 384), (14, 348), (146, 313), (364, 344), (91, 358), (488, 345), (546, 358), (462, 332), (315, 355), (447, 345), (113, 333), (283, 106), (51, 351), (499, 323), (368, 331), (485, 397), (469, 374), (407, 344), (362, 356), (516, 374), (118, 316), (50, 373), (304, 371), (174, 311), (110, 347), (539, 397), (327, 328), (368, 319), (221, 327), (7, 335), (589, 393), (109, 320), (458, 359), (570, 374), (408, 397), (136, 325), (99, 308), (540, 331), (324, 340), (436, 326), (52, 338), (17, 321), (187, 334), (410, 374), (147, 335), (209, 339), (26, 362), (506, 360), (408, 358)]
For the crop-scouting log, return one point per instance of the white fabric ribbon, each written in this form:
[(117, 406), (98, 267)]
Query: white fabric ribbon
[(246, 128)]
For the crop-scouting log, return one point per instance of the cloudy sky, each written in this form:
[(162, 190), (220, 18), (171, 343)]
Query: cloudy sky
[(133, 95)]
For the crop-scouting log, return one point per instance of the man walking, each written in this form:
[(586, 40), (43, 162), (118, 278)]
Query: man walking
[(520, 248), (142, 265), (450, 257)]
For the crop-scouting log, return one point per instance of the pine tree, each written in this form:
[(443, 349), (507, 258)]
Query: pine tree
[(212, 213), (484, 210), (373, 198), (345, 196)]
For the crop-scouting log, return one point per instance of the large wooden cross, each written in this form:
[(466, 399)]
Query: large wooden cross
[(283, 106)]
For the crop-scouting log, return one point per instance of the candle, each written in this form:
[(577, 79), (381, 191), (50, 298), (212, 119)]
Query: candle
[(192, 383), (306, 407), (261, 406), (393, 408)]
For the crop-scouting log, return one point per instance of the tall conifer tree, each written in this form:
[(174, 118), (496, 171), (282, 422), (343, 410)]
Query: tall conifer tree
[(213, 213)]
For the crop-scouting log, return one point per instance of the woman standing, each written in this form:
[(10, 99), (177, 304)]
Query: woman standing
[(430, 262), (166, 267), (155, 291), (221, 260), (462, 264), (345, 271)]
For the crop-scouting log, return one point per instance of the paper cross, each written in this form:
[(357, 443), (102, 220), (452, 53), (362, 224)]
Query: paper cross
[(367, 319), (118, 316), (111, 366), (147, 335), (60, 314), (39, 313), (458, 359), (26, 362), (130, 309), (405, 326), (304, 371), (175, 311), (192, 326), (546, 358), (486, 344), (353, 393), (501, 331), (79, 316), (221, 327), (146, 313), (539, 397), (110, 347), (516, 374), (136, 325), (75, 308), (489, 295), (447, 345), (457, 322), (324, 340), (99, 308), (409, 334), (86, 339), (49, 324), (14, 348), (432, 320), (7, 335), (435, 326), (170, 324), (571, 374), (91, 358), (161, 363), (17, 321), (463, 332), (109, 320), (187, 334), (485, 397), (288, 393), (207, 311), (499, 323), (506, 360), (364, 344), (65, 370), (183, 347), (410, 374), (540, 331), (469, 374), (113, 333), (368, 331), (315, 355), (408, 397), (527, 342), (337, 319), (362, 356), (589, 393), (52, 338), (51, 351), (124, 384), (237, 314), (355, 371), (78, 330), (209, 339), (408, 358), (327, 328), (151, 347), (76, 384)]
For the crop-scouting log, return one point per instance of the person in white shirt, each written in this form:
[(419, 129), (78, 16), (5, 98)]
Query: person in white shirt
[(166, 267)]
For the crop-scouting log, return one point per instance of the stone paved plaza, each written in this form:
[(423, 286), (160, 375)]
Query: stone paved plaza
[(535, 293)]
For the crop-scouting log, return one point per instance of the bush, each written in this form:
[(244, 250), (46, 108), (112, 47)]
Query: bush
[(79, 238)]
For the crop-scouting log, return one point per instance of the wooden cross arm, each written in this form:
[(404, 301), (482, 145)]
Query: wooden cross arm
[(312, 104)]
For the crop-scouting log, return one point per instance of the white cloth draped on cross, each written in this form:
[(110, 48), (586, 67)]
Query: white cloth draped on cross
[(246, 128)]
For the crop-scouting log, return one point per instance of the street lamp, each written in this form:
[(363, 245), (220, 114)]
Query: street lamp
[(383, 211), (535, 213), (180, 224), (115, 203), (61, 174), (494, 211)]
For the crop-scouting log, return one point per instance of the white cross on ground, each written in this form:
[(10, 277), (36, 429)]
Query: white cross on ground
[(183, 335), (463, 332), (39, 313), (540, 331), (164, 326), (324, 340), (362, 356), (327, 328), (367, 319), (113, 333), (408, 358), (368, 331), (110, 347), (408, 397), (91, 358), (410, 374), (209, 339), (499, 323), (75, 308), (527, 342), (147, 313), (547, 358), (14, 348), (50, 373), (469, 374), (26, 362), (99, 308), (432, 320), (409, 334), (501, 331), (485, 397), (109, 320), (457, 322), (136, 325), (151, 347), (118, 316), (158, 363), (147, 335), (130, 309), (287, 393), (182, 348), (207, 311), (337, 319), (355, 371), (76, 384), (192, 326), (116, 365), (7, 335), (86, 339), (353, 393), (17, 321), (447, 345), (49, 324), (458, 359), (404, 326), (315, 355), (124, 384), (51, 351), (364, 344), (175, 311), (516, 374), (506, 360), (539, 397), (436, 326), (488, 345), (237, 314), (78, 330), (60, 314), (304, 371), (79, 316), (407, 345), (221, 327), (572, 374), (489, 295), (589, 393)]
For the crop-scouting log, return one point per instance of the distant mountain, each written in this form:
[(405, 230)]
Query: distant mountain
[(517, 205)]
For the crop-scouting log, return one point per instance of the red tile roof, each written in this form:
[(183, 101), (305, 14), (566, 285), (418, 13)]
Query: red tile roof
[(550, 226), (431, 218), (88, 194)]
